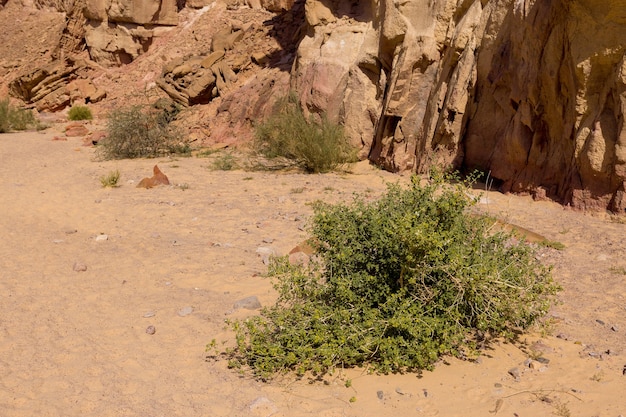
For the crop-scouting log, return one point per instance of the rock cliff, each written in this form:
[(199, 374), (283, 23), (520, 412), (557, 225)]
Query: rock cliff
[(532, 92)]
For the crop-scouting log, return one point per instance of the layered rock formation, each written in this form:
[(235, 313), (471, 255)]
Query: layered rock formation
[(118, 31), (532, 92)]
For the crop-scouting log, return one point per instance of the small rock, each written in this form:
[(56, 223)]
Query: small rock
[(249, 303), (534, 365), (265, 252), (600, 322), (380, 395), (401, 391), (543, 360), (268, 240), (79, 267), (58, 241), (102, 238), (614, 328), (262, 406), (70, 231), (185, 311), (515, 373), (150, 330), (149, 314)]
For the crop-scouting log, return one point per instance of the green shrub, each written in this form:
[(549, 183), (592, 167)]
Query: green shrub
[(141, 132), (5, 124), (399, 282), (110, 180), (12, 118), (80, 113), (315, 146), (224, 162)]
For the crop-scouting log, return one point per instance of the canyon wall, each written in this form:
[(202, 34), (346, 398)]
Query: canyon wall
[(532, 92)]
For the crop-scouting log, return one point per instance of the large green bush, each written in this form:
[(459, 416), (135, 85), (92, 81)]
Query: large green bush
[(315, 146), (141, 132), (399, 282)]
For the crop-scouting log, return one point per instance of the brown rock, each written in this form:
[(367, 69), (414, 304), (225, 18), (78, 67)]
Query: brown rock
[(76, 129), (158, 178)]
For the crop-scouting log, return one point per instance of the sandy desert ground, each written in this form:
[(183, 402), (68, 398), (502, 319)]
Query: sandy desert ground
[(75, 306)]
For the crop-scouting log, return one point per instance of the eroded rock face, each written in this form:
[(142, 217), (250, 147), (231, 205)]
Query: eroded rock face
[(533, 92), (118, 31)]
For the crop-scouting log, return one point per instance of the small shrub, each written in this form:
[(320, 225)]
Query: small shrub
[(399, 282), (315, 146), (224, 162), (110, 180), (12, 118), (5, 124), (80, 113), (141, 132)]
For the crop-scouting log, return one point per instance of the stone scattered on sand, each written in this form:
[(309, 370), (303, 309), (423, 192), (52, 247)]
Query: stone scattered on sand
[(265, 252), (515, 373), (380, 394), (151, 330), (79, 267), (102, 238), (185, 311), (249, 303), (70, 231), (149, 314)]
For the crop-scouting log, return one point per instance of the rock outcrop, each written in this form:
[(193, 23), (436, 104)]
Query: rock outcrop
[(532, 92), (57, 85), (118, 31)]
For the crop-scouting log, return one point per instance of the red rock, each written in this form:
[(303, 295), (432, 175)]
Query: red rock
[(157, 179)]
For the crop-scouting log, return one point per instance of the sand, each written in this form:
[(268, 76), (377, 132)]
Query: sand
[(85, 270)]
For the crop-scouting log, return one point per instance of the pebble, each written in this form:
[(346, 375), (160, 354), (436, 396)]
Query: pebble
[(600, 322), (102, 238), (185, 311), (265, 252), (151, 330), (79, 267), (149, 314), (58, 241), (380, 395), (401, 391), (543, 360), (249, 303), (614, 328), (70, 231), (515, 373), (268, 240)]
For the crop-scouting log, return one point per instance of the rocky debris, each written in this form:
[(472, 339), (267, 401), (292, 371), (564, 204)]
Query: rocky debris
[(79, 267), (243, 43), (158, 178), (515, 373), (249, 303), (102, 238), (150, 330), (266, 252), (56, 85), (199, 79)]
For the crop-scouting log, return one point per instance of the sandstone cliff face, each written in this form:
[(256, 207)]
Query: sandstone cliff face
[(533, 92)]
